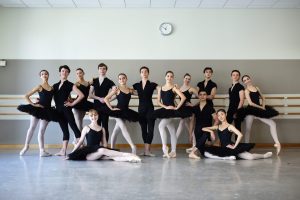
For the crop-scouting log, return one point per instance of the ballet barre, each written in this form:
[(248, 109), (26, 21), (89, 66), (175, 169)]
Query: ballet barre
[(288, 105)]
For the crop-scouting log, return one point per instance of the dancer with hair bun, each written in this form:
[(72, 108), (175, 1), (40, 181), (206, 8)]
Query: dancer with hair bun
[(40, 111)]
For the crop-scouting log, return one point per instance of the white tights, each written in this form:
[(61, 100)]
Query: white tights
[(79, 115), (245, 155), (167, 123), (33, 124), (249, 120), (114, 155), (120, 125), (185, 122)]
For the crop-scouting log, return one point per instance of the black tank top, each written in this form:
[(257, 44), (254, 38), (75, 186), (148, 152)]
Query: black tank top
[(123, 100), (45, 97), (254, 96), (225, 137), (188, 96), (85, 90), (167, 97), (93, 137)]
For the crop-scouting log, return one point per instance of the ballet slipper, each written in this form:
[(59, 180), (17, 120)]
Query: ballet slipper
[(135, 159), (278, 148), (149, 154), (166, 152), (45, 154), (268, 155), (172, 154), (61, 153), (189, 150), (24, 150), (192, 155)]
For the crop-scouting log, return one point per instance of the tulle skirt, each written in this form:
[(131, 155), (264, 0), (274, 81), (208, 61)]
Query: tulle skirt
[(84, 105), (269, 112), (182, 112), (80, 154), (224, 151), (49, 113), (125, 114)]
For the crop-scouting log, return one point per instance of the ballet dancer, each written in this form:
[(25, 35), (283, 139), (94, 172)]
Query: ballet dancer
[(166, 100), (84, 105), (229, 149), (121, 112), (62, 92), (259, 111), (41, 112), (96, 148), (144, 90), (100, 87), (188, 91), (236, 99)]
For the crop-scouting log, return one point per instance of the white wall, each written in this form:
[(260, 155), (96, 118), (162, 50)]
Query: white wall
[(133, 34)]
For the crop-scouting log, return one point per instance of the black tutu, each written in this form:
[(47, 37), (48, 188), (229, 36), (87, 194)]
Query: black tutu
[(125, 114), (84, 105), (269, 112), (80, 154), (182, 112), (224, 151), (48, 114)]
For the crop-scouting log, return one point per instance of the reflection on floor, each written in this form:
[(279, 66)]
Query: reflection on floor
[(32, 177)]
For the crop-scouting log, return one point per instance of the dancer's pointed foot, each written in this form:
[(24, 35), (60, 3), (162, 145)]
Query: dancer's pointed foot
[(24, 150), (268, 155), (62, 152), (45, 154), (278, 148), (149, 154), (135, 159), (166, 152), (192, 155), (172, 154), (189, 150)]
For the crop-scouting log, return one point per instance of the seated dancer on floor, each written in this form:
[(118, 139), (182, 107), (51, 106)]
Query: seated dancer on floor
[(166, 99), (229, 149), (121, 112), (96, 147)]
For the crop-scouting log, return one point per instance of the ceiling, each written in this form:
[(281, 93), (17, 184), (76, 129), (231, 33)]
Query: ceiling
[(202, 4)]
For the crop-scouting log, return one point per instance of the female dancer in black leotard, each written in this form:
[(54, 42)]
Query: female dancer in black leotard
[(229, 148), (166, 99), (40, 112), (258, 110), (121, 112), (188, 91), (96, 147), (84, 105)]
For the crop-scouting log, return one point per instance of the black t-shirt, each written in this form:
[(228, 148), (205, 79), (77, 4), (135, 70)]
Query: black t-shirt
[(209, 86), (145, 95), (102, 90), (203, 117), (62, 94), (234, 96)]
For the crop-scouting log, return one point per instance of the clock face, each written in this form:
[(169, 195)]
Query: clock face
[(166, 28)]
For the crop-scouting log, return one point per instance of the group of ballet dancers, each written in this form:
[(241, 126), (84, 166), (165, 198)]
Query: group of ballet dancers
[(200, 119)]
